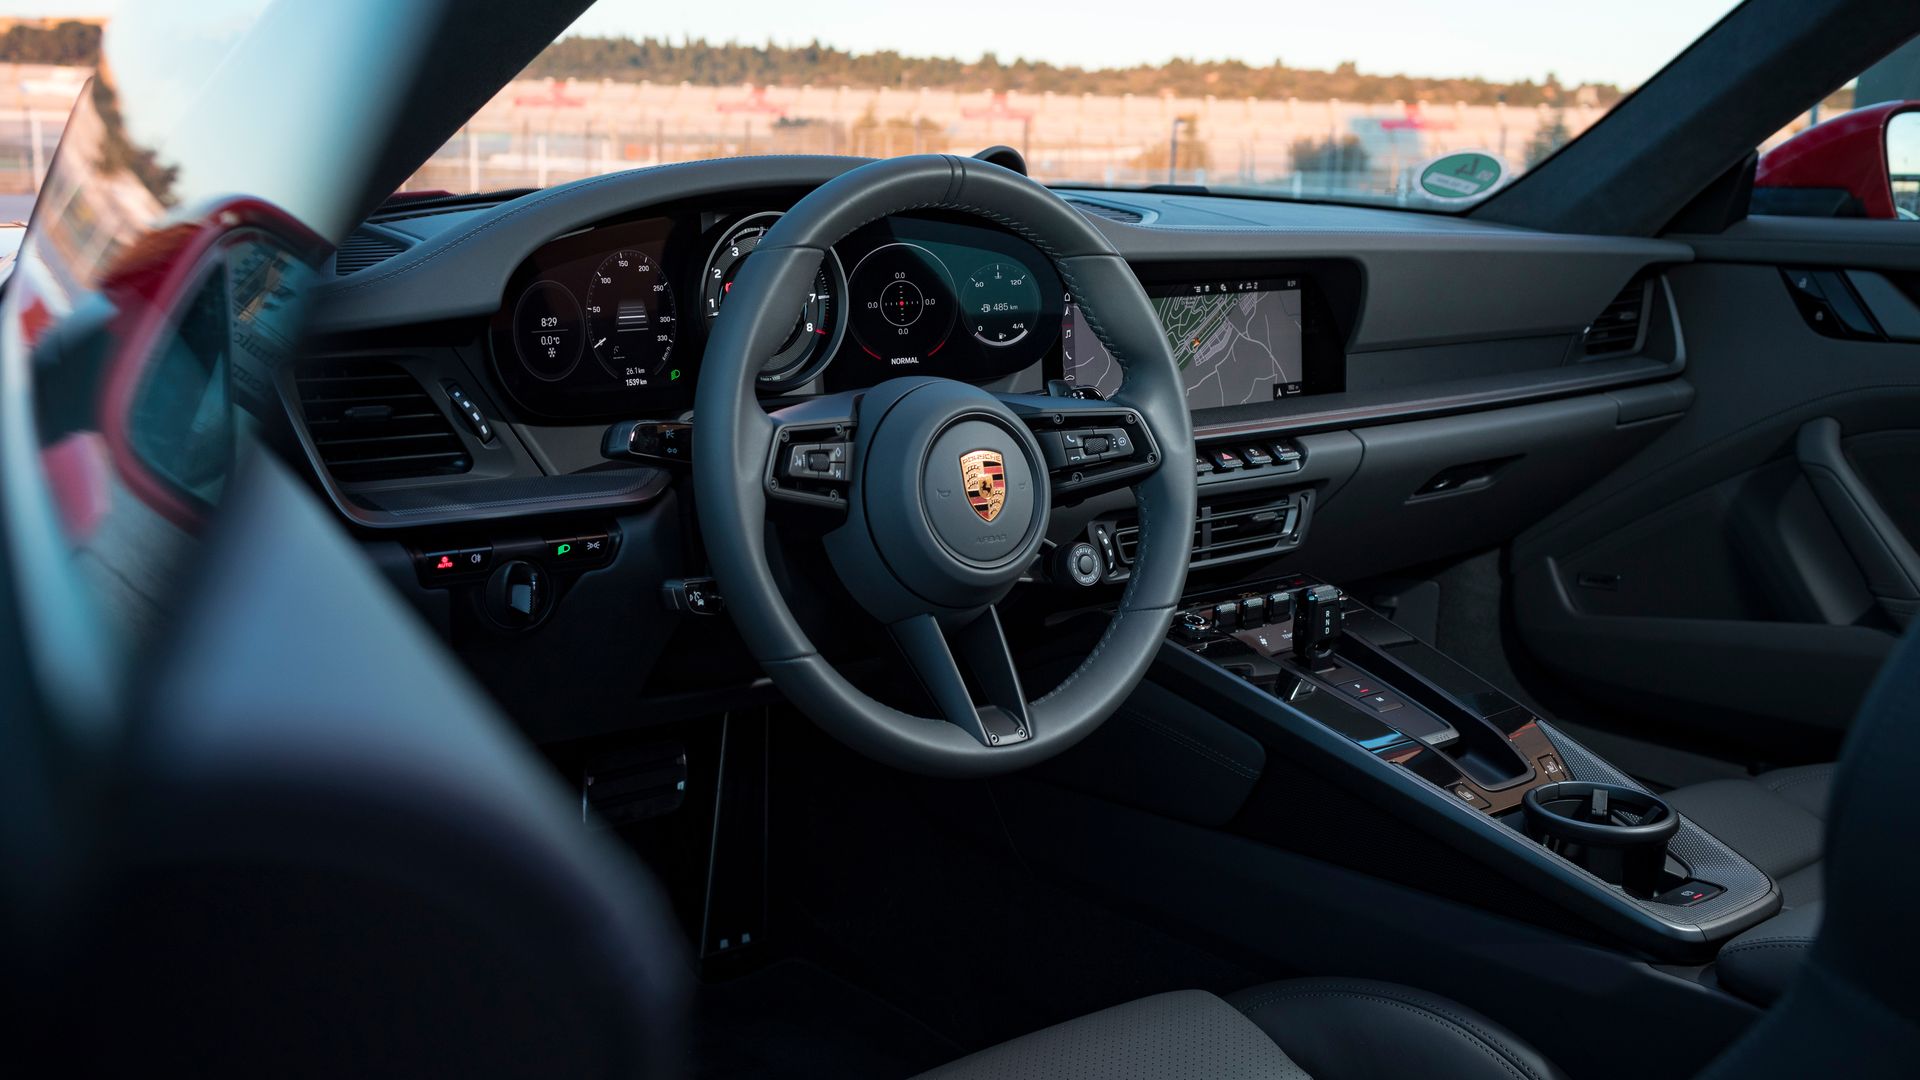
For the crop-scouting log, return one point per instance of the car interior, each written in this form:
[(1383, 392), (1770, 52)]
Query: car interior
[(440, 641)]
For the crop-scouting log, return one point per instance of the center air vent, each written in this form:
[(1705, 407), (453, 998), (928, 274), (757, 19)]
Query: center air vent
[(1236, 529), (371, 420), (1108, 211), (1617, 329), (365, 247)]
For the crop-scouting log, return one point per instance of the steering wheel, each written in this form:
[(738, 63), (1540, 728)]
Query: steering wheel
[(945, 488)]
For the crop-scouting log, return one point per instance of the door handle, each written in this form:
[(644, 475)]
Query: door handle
[(1885, 556)]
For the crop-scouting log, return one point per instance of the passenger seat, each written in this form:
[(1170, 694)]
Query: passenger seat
[(1777, 820)]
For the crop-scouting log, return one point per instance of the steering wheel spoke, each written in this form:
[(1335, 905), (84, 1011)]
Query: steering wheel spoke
[(935, 654), (1090, 445), (811, 462)]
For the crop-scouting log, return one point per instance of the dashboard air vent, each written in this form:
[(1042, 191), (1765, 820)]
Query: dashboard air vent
[(1232, 530), (1617, 328), (371, 420), (364, 248), (1110, 212)]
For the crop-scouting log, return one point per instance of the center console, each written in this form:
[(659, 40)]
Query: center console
[(1400, 727)]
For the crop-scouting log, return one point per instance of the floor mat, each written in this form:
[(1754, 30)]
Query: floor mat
[(794, 1020)]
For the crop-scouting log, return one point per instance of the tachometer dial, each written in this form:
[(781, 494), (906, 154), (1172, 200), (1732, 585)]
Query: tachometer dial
[(903, 303), (817, 332), (547, 330), (631, 319), (1000, 303)]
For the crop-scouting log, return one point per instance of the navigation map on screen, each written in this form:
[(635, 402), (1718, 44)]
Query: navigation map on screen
[(1236, 342)]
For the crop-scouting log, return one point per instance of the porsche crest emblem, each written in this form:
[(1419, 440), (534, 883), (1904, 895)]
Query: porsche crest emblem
[(984, 474)]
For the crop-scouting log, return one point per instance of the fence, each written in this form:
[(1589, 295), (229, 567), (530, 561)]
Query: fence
[(539, 132)]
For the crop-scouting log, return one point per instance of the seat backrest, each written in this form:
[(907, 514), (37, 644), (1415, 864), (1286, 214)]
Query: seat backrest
[(332, 857), (1854, 1008)]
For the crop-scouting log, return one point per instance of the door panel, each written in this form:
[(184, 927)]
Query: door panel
[(1726, 579)]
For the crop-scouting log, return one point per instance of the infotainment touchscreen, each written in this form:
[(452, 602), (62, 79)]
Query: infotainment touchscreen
[(1237, 342)]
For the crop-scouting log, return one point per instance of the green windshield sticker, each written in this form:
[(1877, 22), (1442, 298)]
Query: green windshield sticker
[(1460, 176)]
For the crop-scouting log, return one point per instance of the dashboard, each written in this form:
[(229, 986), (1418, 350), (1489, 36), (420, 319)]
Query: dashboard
[(612, 320), (1369, 389)]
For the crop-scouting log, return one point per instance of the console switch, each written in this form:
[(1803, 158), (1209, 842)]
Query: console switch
[(1226, 614), (1253, 611), (1279, 607)]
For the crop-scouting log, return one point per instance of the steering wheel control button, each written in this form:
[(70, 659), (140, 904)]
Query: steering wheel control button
[(817, 461), (695, 596)]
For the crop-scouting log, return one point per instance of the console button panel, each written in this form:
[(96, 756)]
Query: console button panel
[(448, 566), (1218, 459)]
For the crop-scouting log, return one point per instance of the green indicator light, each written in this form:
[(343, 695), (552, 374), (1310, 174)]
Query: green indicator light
[(562, 549), (674, 375)]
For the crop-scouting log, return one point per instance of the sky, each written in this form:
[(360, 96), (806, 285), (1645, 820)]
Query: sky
[(1616, 41)]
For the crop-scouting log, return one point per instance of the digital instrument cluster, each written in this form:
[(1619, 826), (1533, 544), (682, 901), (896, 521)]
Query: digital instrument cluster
[(613, 320)]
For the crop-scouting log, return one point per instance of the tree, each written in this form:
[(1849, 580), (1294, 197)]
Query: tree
[(70, 43), (1548, 139), (1325, 155)]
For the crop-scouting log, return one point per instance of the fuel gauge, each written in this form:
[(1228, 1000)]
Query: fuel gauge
[(1000, 304)]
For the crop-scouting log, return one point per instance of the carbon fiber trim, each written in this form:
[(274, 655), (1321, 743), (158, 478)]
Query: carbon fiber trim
[(1710, 860)]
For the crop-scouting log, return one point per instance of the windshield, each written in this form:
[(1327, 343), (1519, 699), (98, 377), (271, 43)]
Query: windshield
[(1397, 102)]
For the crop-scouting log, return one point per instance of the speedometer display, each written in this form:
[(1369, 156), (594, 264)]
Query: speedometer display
[(631, 319)]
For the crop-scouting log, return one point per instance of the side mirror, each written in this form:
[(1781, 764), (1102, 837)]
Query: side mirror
[(1903, 164), (1863, 163)]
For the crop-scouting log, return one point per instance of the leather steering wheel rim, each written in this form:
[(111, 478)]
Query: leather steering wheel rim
[(734, 439)]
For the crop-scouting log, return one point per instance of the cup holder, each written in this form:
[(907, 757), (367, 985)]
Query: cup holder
[(1618, 833)]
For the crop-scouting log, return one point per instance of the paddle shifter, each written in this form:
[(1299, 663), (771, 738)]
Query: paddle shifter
[(1317, 621)]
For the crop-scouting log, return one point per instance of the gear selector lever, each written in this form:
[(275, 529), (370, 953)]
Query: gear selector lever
[(1318, 621)]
